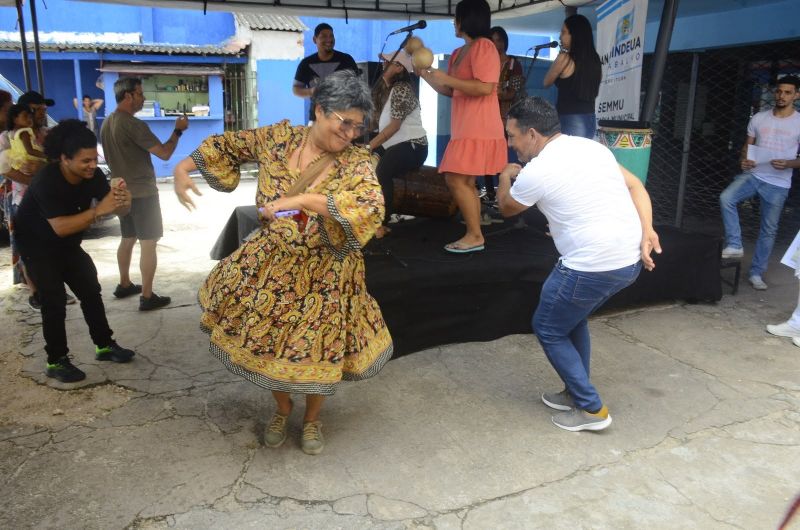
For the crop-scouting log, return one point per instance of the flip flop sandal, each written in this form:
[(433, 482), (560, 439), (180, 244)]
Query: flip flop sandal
[(455, 248)]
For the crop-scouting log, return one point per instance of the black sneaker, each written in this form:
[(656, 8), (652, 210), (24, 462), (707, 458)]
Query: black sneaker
[(124, 292), (64, 371), (33, 301), (154, 302), (114, 352)]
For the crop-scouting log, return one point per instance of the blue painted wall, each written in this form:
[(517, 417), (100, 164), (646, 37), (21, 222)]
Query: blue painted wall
[(59, 77), (182, 26), (89, 75), (177, 26), (11, 70), (63, 15), (746, 25), (363, 39), (275, 99)]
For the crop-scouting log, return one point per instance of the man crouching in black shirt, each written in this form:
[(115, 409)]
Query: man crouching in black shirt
[(56, 209)]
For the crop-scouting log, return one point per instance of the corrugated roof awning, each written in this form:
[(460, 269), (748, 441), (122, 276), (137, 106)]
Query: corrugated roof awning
[(260, 21), (236, 49), (172, 69)]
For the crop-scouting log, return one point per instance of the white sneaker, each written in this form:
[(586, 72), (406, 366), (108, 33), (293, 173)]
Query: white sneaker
[(732, 252), (757, 283), (784, 329), (796, 341)]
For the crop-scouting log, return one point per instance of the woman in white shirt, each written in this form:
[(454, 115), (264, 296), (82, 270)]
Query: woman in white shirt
[(401, 141)]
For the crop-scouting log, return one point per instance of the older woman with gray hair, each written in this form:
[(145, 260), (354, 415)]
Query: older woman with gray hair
[(289, 310)]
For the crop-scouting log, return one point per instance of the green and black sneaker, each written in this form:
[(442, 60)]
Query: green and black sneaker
[(64, 371), (114, 353)]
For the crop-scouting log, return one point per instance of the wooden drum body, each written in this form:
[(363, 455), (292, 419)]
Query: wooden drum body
[(423, 193)]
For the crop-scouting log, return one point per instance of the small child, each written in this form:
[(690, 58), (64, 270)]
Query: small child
[(24, 147)]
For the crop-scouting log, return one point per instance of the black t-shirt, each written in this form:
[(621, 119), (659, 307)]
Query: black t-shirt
[(49, 196), (312, 69)]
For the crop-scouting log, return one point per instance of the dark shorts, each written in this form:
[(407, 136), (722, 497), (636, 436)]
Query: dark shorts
[(144, 220)]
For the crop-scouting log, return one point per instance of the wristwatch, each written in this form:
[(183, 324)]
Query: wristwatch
[(178, 132)]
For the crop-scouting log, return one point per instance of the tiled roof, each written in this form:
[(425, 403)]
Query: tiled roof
[(272, 22), (169, 49)]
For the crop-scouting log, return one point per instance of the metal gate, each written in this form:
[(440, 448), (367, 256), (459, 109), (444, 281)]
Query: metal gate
[(239, 98), (706, 100)]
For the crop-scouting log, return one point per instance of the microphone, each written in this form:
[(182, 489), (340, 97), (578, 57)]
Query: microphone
[(419, 25), (548, 45)]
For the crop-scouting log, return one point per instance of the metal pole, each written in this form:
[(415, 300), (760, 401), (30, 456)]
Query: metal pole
[(76, 68), (660, 58), (36, 52), (24, 45), (687, 139)]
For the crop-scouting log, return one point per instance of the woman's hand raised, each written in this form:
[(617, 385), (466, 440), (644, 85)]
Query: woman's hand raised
[(183, 183)]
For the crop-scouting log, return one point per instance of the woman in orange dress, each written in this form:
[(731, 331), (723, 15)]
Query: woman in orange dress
[(477, 145)]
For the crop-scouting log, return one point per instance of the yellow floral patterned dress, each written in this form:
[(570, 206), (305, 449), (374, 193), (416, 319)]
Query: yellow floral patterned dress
[(289, 309)]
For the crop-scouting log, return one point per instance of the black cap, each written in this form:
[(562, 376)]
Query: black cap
[(34, 98)]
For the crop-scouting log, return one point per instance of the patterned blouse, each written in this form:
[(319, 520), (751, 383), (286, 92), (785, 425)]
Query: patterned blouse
[(403, 102)]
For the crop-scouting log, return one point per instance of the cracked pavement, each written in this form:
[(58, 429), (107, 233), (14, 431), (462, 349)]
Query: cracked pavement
[(705, 435)]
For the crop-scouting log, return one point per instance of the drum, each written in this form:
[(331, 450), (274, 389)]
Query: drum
[(423, 193)]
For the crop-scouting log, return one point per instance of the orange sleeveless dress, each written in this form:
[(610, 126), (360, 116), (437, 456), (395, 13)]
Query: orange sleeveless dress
[(477, 143)]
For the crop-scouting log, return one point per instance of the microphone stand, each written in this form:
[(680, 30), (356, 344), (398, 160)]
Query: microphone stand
[(377, 77), (533, 60), (374, 81), (536, 51)]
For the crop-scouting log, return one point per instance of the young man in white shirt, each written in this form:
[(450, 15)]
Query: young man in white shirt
[(601, 221), (778, 131)]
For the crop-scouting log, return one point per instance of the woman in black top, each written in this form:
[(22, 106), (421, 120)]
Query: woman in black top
[(576, 72)]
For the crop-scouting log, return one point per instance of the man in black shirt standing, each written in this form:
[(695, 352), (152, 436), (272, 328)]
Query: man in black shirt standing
[(320, 65), (64, 199)]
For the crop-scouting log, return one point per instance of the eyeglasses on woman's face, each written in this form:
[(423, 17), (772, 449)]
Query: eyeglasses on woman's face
[(349, 126)]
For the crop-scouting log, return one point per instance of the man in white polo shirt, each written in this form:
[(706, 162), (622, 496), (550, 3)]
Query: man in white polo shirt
[(601, 221), (775, 132)]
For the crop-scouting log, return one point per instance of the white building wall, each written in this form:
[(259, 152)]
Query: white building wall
[(267, 44)]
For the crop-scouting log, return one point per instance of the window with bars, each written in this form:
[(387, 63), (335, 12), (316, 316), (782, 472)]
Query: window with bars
[(239, 97)]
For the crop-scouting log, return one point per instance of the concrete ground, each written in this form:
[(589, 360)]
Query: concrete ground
[(706, 430)]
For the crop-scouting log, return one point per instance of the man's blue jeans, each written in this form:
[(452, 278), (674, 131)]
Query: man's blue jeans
[(772, 197), (584, 125), (560, 323)]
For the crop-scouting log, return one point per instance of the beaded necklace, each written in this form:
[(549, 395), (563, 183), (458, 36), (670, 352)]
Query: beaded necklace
[(302, 148), (308, 176)]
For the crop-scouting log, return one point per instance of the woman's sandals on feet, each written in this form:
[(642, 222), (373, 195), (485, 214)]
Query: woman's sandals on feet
[(459, 247)]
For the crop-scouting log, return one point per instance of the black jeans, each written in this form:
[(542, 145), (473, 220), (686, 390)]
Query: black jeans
[(75, 268), (396, 161)]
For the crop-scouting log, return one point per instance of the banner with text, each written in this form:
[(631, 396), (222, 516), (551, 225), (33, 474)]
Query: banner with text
[(620, 44)]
